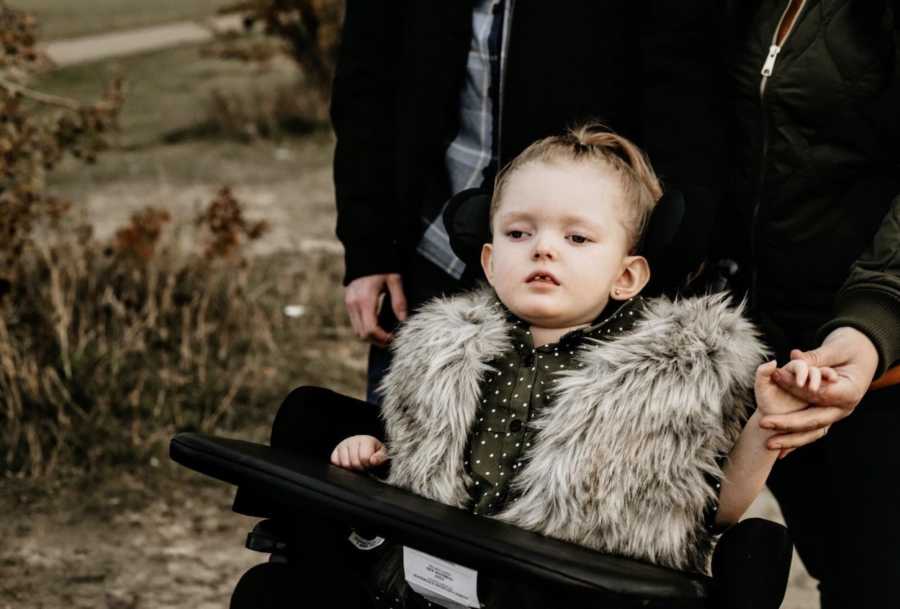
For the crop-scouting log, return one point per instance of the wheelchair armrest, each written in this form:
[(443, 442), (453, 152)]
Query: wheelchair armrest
[(307, 483)]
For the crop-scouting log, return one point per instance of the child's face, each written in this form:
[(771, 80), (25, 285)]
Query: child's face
[(560, 247)]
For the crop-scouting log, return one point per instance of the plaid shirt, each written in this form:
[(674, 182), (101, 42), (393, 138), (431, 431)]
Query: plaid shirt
[(473, 150)]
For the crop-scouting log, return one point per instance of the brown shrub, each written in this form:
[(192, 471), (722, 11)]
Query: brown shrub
[(311, 30), (107, 350), (307, 32), (36, 131)]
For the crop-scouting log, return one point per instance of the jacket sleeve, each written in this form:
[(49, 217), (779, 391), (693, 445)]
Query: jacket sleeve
[(363, 107), (684, 117), (869, 300)]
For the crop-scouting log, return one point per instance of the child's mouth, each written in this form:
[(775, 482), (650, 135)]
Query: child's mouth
[(542, 277)]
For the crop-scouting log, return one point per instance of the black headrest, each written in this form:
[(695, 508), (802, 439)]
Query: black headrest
[(466, 218)]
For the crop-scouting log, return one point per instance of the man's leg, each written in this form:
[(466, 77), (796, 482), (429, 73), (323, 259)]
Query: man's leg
[(841, 501), (863, 556)]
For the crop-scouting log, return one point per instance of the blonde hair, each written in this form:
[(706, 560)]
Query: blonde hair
[(594, 143)]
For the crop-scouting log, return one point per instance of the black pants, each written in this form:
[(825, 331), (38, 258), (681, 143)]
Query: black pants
[(841, 500), (422, 281)]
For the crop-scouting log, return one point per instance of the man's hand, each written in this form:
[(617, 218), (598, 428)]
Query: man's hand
[(361, 299), (359, 453), (853, 358)]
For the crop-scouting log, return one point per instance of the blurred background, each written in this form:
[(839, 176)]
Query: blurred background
[(167, 263)]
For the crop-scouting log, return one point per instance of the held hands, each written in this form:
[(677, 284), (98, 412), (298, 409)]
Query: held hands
[(852, 359), (774, 401), (770, 398), (359, 453), (361, 297)]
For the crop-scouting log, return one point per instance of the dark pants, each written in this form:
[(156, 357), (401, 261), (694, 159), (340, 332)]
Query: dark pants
[(841, 500), (422, 281)]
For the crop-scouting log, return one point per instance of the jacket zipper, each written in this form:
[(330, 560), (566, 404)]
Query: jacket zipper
[(775, 48), (766, 72), (504, 57)]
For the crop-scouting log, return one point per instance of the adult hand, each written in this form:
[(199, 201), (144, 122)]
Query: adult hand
[(361, 299), (853, 358)]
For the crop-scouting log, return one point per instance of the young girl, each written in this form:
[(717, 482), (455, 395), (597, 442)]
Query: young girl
[(558, 399)]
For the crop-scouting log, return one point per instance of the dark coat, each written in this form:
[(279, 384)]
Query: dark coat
[(645, 69), (816, 217)]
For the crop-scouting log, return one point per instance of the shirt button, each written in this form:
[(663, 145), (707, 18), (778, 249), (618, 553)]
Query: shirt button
[(515, 425), (528, 359)]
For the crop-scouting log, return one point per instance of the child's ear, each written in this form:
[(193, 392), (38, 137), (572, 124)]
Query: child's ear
[(487, 262), (634, 276)]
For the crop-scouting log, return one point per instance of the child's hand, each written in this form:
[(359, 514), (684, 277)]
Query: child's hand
[(359, 453), (809, 377), (771, 399)]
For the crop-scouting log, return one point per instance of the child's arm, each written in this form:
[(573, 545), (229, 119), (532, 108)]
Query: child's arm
[(359, 453), (751, 460)]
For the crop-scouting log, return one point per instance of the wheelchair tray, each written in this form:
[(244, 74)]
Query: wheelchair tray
[(297, 481)]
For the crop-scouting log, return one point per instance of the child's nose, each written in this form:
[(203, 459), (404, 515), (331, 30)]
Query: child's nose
[(543, 249)]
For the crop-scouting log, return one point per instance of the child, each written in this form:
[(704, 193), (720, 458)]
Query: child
[(563, 402)]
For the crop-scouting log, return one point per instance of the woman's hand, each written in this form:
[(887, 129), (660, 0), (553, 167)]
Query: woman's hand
[(853, 358), (359, 453)]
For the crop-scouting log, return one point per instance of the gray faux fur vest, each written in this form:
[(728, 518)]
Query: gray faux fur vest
[(620, 456)]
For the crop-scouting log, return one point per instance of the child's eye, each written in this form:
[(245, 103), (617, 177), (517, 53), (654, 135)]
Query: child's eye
[(579, 239), (515, 235)]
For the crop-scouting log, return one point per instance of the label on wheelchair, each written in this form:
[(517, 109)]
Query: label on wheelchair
[(442, 582)]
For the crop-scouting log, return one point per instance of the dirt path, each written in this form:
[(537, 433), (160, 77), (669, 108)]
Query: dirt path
[(116, 44), (127, 545)]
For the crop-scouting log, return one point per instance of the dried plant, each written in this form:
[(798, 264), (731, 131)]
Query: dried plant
[(227, 229), (310, 30), (106, 350), (36, 131), (266, 112), (306, 31)]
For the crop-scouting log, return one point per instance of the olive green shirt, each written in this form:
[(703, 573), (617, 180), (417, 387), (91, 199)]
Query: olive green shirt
[(520, 387)]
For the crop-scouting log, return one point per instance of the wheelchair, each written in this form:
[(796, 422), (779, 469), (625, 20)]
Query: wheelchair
[(293, 490), (296, 486)]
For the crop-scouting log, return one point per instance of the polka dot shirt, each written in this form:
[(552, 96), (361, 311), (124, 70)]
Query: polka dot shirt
[(519, 388)]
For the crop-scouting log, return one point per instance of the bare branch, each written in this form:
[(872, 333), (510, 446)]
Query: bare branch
[(40, 97)]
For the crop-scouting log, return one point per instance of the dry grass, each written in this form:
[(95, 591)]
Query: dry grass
[(106, 350)]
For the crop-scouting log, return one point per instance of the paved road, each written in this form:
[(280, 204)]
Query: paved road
[(73, 51)]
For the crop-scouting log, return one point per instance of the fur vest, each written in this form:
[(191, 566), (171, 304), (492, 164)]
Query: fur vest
[(622, 457)]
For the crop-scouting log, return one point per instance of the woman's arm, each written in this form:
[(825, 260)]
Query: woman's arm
[(861, 342)]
